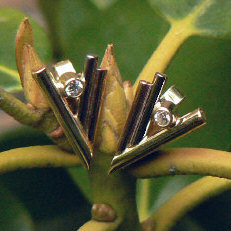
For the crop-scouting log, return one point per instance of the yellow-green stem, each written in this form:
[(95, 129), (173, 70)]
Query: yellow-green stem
[(20, 111), (99, 226), (117, 190), (163, 55), (187, 199), (36, 157), (144, 200), (184, 161)]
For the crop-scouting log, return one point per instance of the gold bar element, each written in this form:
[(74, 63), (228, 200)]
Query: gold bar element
[(146, 96), (63, 67), (70, 124), (147, 146), (86, 108), (171, 98), (135, 114), (158, 84), (97, 102)]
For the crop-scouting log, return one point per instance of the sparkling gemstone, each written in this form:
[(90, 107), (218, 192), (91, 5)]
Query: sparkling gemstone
[(162, 118), (74, 88)]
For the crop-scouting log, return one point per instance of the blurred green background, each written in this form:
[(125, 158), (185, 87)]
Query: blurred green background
[(201, 69)]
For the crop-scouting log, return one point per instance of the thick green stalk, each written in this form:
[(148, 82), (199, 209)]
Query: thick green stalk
[(17, 109), (187, 199), (24, 114), (165, 52), (180, 30), (99, 226), (184, 161), (143, 203), (36, 157), (118, 190)]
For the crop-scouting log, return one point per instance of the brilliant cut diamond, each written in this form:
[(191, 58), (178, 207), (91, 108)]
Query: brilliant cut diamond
[(163, 118), (74, 88)]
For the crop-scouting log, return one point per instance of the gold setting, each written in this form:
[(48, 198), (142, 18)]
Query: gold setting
[(151, 123)]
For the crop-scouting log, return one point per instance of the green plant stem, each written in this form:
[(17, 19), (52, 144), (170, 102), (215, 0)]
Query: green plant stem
[(184, 161), (144, 200), (99, 226), (165, 52), (36, 157), (118, 190), (187, 199), (17, 109), (180, 30), (43, 121)]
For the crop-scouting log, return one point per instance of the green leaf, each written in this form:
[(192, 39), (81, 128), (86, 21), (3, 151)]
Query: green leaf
[(158, 191), (201, 70), (187, 199), (9, 22), (214, 214), (174, 9), (81, 178), (103, 4), (204, 17), (171, 187), (188, 223), (21, 136), (64, 210), (13, 215), (82, 28), (147, 193)]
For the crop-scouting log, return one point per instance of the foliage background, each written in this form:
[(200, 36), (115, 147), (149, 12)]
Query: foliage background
[(49, 197)]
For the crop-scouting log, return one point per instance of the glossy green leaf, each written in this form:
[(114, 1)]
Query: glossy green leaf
[(171, 187), (13, 215), (147, 194), (80, 177), (9, 23), (202, 71), (214, 214), (188, 223), (54, 202), (103, 4), (132, 26), (160, 190), (208, 17)]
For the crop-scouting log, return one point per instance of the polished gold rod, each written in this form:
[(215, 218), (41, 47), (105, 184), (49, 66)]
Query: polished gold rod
[(158, 84), (70, 125), (146, 97), (97, 103), (135, 115), (184, 125), (86, 108)]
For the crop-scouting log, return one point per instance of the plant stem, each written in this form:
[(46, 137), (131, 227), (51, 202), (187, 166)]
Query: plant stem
[(99, 226), (165, 52), (43, 121), (184, 161), (36, 157), (144, 200), (116, 190), (17, 109), (187, 199)]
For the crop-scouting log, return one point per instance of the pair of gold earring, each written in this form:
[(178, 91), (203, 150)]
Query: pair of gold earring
[(151, 122)]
